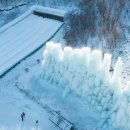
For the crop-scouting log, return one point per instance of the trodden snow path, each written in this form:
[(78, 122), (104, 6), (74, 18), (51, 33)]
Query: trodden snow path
[(23, 38)]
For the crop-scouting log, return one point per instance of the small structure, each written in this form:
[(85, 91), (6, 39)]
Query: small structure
[(61, 122)]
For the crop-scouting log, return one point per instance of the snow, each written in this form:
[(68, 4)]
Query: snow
[(18, 39), (89, 100), (106, 66), (24, 38), (116, 81), (13, 102), (12, 23), (77, 83), (72, 107), (64, 82), (89, 79), (125, 54), (81, 75), (40, 9)]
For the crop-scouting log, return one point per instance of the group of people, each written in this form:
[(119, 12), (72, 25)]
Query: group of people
[(23, 117)]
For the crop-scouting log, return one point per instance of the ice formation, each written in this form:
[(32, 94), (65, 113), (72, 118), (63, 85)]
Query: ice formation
[(87, 74)]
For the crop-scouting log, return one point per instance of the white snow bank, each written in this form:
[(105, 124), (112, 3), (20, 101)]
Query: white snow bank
[(87, 74)]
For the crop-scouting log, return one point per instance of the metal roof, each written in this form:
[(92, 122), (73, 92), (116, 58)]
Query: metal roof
[(25, 34)]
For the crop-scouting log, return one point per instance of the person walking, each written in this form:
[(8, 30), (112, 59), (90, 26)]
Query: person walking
[(23, 116), (36, 124)]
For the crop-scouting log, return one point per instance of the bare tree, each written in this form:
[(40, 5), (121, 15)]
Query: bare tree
[(100, 18)]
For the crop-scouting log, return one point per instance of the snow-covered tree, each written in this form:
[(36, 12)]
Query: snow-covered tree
[(100, 18)]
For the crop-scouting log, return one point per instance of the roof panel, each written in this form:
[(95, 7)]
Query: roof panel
[(23, 38)]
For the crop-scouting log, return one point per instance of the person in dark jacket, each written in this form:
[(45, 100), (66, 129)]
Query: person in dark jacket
[(36, 124), (23, 116), (36, 121)]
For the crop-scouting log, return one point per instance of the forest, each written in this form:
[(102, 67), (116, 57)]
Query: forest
[(86, 20)]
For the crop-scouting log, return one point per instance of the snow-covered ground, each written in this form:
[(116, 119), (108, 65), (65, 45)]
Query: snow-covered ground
[(73, 108), (89, 77), (82, 90), (13, 102), (21, 35)]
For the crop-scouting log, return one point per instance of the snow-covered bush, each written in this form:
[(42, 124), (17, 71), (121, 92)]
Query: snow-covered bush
[(86, 73)]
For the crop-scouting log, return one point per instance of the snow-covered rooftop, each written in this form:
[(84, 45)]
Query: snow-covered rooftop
[(25, 34)]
